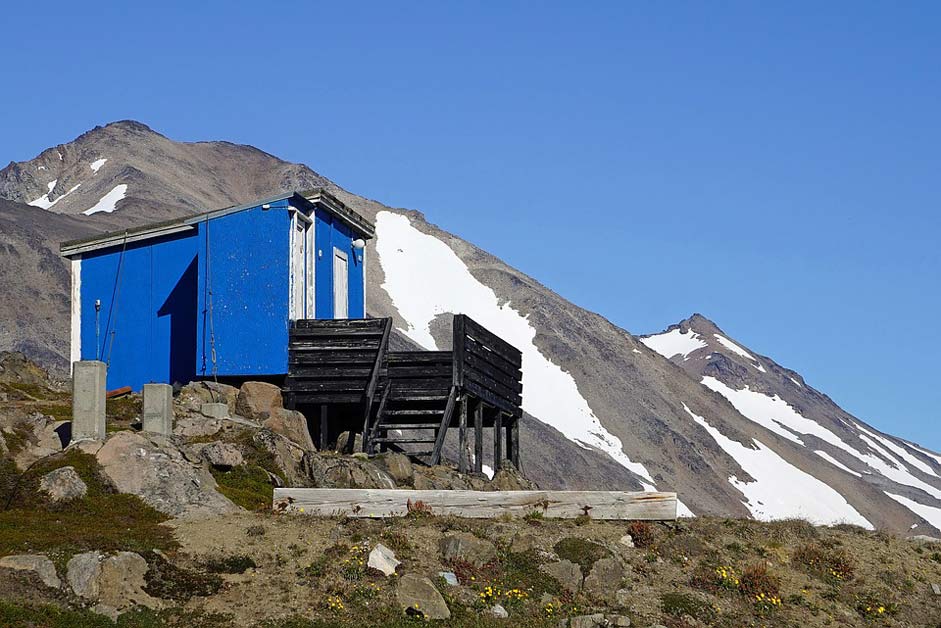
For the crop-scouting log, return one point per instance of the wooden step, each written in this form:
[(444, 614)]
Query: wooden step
[(399, 441), (415, 412), (409, 426)]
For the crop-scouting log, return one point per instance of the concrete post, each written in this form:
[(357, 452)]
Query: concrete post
[(88, 400), (158, 409)]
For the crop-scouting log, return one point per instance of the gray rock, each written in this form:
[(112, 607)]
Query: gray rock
[(450, 577), (623, 597), (936, 588), (82, 572), (567, 573), (622, 621), (151, 467), (292, 425), (383, 559), (925, 538), (193, 427), (35, 563), (344, 472), (595, 620), (108, 611), (121, 582), (523, 542), (627, 540), (604, 579), (419, 594), (466, 546), (498, 611), (344, 438), (63, 484), (398, 466), (222, 455), (214, 410), (258, 400)]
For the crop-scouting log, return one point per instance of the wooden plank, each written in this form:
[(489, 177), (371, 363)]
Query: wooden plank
[(485, 366), (493, 342), (462, 437), (511, 394), (458, 335), (479, 436), (445, 422), (323, 397), (481, 351), (498, 402), (513, 443), (497, 441), (376, 503)]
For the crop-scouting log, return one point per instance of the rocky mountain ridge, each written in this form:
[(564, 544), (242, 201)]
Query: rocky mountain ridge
[(605, 409)]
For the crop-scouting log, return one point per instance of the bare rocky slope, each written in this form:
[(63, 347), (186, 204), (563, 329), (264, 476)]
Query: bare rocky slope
[(604, 410)]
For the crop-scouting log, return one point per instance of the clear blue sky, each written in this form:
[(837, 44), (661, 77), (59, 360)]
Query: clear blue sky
[(774, 166)]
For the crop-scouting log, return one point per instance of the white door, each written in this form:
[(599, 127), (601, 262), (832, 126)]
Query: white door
[(341, 272), (298, 270)]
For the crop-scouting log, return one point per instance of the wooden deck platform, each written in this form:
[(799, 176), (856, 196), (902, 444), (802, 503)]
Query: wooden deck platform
[(408, 400), (379, 503)]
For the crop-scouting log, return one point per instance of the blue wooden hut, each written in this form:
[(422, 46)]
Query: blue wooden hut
[(215, 294)]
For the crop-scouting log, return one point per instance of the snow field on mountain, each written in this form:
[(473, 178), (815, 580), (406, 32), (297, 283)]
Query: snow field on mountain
[(836, 463), (425, 278), (97, 164), (780, 489), (776, 415), (931, 514), (109, 202), (675, 342)]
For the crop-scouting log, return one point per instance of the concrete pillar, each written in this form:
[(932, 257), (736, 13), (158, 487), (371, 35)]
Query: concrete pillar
[(158, 409), (88, 400)]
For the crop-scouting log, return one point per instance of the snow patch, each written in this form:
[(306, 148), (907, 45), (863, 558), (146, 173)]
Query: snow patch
[(675, 342), (901, 452), (108, 203), (776, 415), (682, 510), (734, 348), (796, 382), (43, 201), (780, 490), (931, 514), (425, 278), (97, 164), (835, 462), (488, 471)]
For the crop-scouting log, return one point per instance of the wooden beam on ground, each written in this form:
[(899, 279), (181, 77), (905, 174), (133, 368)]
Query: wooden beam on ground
[(378, 503)]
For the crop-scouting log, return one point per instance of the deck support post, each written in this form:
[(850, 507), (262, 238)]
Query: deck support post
[(497, 441), (513, 442), (479, 436), (323, 426), (462, 436)]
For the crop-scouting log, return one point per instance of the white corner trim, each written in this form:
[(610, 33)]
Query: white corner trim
[(75, 335)]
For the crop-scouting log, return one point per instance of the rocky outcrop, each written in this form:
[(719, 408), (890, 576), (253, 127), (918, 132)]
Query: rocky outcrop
[(222, 455), (258, 400), (154, 469), (290, 424), (114, 582), (63, 484), (37, 564)]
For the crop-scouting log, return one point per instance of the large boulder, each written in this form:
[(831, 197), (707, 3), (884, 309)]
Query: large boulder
[(417, 595), (258, 400), (63, 484), (222, 455), (604, 579), (291, 424), (37, 564), (153, 468), (566, 573), (344, 472), (507, 478), (466, 546), (115, 582), (195, 394), (398, 466), (44, 436)]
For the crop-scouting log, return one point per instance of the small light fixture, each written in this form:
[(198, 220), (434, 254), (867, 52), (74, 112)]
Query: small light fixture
[(359, 244), (266, 206)]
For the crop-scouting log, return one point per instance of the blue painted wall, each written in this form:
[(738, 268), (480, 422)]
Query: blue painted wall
[(148, 310), (157, 307), (332, 233), (244, 262)]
